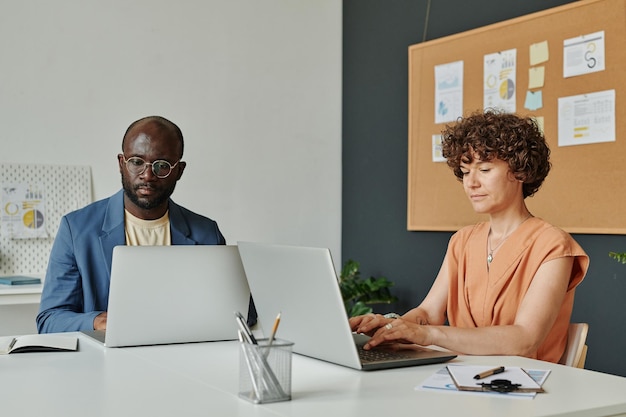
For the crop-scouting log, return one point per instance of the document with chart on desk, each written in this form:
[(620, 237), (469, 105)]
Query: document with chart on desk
[(442, 381)]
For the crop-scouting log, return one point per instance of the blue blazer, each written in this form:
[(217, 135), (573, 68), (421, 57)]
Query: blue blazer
[(76, 288)]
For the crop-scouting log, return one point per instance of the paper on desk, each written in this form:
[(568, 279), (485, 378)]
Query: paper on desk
[(465, 377), (442, 381)]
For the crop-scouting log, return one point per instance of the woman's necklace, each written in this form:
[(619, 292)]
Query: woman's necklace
[(491, 251)]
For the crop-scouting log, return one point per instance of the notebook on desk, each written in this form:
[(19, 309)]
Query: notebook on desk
[(301, 284), (173, 294)]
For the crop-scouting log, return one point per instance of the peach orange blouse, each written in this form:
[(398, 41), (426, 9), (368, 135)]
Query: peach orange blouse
[(481, 296)]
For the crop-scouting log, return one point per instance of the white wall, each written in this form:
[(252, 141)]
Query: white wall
[(255, 86)]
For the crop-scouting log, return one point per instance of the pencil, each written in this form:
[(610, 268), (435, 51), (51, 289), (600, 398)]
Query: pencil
[(274, 329)]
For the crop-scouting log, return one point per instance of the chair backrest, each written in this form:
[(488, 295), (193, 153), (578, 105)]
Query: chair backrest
[(576, 349)]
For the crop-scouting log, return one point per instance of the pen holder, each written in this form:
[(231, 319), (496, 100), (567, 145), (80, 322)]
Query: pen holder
[(265, 371)]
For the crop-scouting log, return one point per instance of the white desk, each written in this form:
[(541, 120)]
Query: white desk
[(203, 379)]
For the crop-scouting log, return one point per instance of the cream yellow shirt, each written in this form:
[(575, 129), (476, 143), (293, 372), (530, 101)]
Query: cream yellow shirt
[(141, 232)]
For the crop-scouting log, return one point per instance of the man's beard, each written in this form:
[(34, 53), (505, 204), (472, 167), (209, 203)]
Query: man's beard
[(143, 203)]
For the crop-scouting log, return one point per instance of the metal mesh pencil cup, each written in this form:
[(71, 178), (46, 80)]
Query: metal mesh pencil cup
[(265, 371)]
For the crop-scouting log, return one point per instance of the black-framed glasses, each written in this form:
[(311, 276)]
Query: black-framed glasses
[(160, 168)]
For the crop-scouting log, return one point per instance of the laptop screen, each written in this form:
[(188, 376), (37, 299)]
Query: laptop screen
[(174, 294)]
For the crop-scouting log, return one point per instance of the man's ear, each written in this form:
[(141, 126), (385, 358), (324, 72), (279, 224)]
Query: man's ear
[(181, 166), (120, 161)]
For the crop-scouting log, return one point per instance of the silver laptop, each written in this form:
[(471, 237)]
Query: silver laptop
[(301, 284), (174, 294)]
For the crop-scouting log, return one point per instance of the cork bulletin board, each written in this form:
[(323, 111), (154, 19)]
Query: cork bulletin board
[(585, 190)]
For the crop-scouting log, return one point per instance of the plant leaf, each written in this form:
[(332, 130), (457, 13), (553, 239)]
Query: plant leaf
[(358, 294), (618, 256), (358, 309)]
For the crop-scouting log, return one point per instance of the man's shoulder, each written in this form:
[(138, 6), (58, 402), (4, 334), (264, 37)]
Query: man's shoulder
[(187, 214), (194, 226), (91, 210)]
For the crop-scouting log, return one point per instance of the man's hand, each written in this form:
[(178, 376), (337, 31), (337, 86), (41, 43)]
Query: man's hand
[(100, 322)]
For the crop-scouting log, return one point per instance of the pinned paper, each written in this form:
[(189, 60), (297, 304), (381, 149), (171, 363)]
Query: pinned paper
[(448, 92), (536, 77), (583, 54), (539, 53), (500, 80), (587, 118), (437, 149), (534, 100)]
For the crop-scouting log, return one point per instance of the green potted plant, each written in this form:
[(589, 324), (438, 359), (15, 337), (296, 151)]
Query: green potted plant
[(360, 294), (618, 256)]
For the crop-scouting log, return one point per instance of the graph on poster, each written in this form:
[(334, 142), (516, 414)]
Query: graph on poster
[(33, 198)]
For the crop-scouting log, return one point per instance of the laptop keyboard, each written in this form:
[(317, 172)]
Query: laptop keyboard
[(378, 355)]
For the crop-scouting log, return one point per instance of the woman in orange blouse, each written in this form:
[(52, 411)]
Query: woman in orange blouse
[(506, 286)]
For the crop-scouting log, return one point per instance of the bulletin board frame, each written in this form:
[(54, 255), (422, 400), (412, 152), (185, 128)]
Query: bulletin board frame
[(584, 192)]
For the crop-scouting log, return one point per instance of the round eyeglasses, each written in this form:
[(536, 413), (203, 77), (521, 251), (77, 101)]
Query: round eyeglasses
[(160, 168)]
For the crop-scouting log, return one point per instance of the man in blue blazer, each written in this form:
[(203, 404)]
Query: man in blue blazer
[(76, 288)]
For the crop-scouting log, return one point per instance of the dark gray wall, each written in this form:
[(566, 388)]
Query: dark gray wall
[(376, 36)]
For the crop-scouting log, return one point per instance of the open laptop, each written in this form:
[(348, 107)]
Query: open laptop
[(174, 294), (301, 283)]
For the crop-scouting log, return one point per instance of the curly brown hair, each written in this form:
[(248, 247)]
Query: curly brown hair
[(491, 134)]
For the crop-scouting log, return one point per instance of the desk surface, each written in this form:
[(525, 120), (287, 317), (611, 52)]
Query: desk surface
[(203, 379)]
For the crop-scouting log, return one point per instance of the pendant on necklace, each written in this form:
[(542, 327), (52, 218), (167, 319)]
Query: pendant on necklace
[(489, 258)]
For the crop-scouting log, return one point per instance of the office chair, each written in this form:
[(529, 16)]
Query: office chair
[(576, 349)]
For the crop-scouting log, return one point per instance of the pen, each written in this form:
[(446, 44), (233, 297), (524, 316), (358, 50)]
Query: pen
[(247, 333), (276, 323), (490, 372)]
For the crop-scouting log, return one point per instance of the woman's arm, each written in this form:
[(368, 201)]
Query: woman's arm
[(534, 319), (432, 310)]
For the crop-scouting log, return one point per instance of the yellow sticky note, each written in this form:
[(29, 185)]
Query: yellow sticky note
[(539, 120), (539, 53), (536, 77)]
